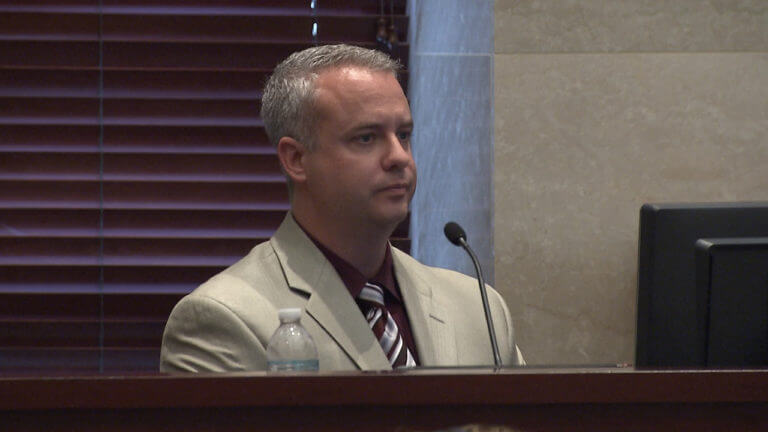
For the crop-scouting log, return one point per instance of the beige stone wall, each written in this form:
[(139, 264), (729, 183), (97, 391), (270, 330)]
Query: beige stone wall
[(600, 106)]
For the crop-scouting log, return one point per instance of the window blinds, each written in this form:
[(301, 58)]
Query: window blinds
[(133, 162)]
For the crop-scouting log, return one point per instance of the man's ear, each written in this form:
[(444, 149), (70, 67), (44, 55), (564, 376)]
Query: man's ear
[(291, 154)]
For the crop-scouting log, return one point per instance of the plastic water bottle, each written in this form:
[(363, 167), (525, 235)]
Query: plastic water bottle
[(291, 348)]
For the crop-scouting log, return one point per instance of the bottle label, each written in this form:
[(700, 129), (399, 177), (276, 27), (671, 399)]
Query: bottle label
[(292, 365)]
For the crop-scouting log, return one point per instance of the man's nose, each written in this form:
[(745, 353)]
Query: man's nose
[(398, 154)]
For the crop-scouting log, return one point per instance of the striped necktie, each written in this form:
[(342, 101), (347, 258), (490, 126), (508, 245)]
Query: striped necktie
[(384, 326)]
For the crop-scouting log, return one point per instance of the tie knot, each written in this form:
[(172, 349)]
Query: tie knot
[(373, 293)]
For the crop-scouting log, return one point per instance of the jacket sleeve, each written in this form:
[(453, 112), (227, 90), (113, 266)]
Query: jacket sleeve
[(514, 355), (204, 335)]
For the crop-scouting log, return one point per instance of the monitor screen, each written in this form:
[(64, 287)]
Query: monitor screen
[(732, 279), (671, 316)]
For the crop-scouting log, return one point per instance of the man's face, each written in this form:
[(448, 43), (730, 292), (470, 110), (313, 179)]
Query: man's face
[(361, 170)]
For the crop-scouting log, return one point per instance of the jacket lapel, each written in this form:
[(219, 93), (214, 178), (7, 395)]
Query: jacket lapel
[(430, 324), (306, 269)]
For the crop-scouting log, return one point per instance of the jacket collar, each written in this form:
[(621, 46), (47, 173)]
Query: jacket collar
[(308, 271), (431, 326)]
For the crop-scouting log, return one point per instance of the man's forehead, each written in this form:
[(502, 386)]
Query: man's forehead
[(358, 95)]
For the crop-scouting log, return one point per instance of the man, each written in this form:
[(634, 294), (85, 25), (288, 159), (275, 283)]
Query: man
[(342, 127)]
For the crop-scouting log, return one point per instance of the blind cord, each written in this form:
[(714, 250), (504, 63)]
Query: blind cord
[(100, 257), (313, 6)]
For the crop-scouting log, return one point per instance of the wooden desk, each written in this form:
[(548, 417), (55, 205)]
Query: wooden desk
[(527, 399)]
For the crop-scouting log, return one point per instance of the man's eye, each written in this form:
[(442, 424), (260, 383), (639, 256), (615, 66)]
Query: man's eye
[(403, 135), (365, 138)]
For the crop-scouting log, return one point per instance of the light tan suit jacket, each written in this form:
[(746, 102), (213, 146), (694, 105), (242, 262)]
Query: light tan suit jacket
[(225, 324)]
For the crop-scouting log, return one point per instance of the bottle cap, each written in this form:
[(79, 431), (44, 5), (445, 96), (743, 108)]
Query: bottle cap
[(289, 314)]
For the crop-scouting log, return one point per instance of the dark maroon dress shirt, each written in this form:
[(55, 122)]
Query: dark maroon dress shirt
[(354, 281)]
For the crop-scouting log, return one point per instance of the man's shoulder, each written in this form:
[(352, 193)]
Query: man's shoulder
[(450, 278), (256, 273)]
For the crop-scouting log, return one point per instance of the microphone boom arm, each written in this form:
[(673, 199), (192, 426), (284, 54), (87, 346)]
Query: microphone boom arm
[(484, 296)]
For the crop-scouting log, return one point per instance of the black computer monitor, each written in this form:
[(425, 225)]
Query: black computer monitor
[(732, 275), (671, 315)]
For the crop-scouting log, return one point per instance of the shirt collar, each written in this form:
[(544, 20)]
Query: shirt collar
[(352, 278)]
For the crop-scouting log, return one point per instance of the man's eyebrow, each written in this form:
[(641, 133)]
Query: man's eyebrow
[(365, 126), (373, 126)]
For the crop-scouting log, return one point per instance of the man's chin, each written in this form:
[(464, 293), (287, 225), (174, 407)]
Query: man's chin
[(391, 218)]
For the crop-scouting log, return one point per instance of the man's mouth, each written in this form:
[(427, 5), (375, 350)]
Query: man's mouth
[(396, 187)]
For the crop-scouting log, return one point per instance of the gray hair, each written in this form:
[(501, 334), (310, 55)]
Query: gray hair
[(286, 105)]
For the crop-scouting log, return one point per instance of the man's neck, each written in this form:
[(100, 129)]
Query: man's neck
[(362, 247)]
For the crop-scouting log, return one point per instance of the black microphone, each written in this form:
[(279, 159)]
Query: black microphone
[(457, 236), (455, 233)]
